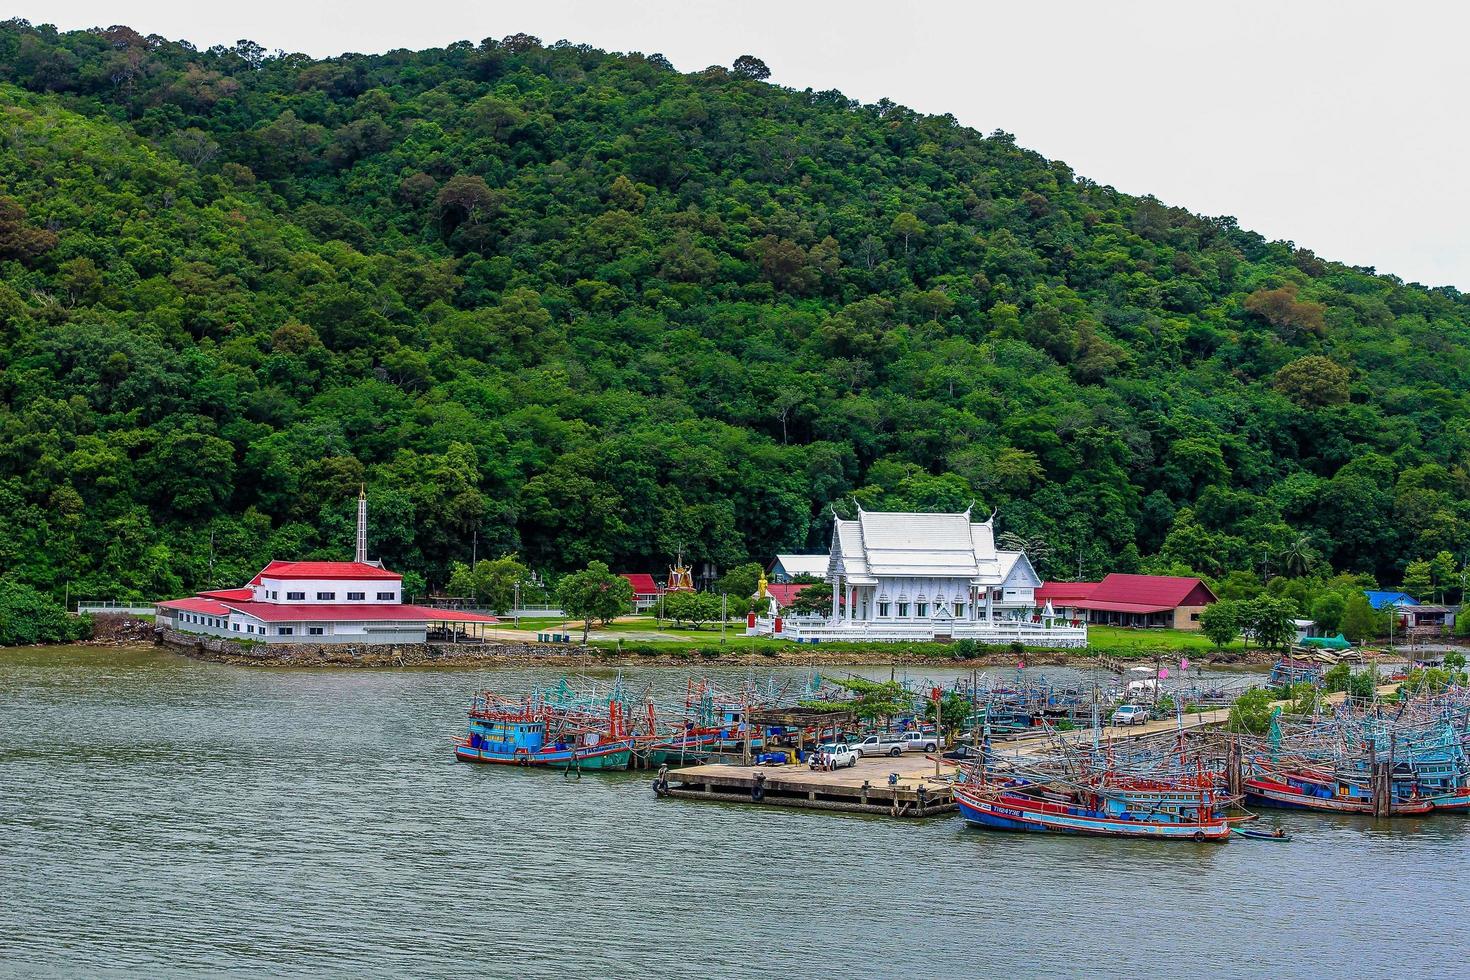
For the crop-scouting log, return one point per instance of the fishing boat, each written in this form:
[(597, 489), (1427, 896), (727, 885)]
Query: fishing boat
[(1329, 793), (1180, 808), (1288, 671), (1255, 833), (543, 738)]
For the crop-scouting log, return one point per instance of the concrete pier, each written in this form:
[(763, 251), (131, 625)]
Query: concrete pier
[(864, 788)]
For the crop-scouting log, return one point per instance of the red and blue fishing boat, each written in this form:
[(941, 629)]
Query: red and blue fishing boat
[(1330, 792), (1175, 808)]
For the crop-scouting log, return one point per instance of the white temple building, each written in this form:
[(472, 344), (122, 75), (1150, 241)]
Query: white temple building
[(902, 576)]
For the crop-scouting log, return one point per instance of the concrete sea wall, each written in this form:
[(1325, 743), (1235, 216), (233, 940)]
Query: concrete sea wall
[(360, 655)]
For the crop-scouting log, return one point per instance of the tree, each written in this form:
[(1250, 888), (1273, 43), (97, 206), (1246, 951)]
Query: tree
[(907, 225), (1444, 573), (1360, 621), (1298, 556), (1327, 612), (1293, 318), (1252, 712), (877, 700), (27, 616), (492, 582), (1220, 621), (817, 598), (692, 608), (749, 66), (1419, 579), (1313, 382), (18, 240), (1337, 677), (1268, 621), (740, 582), (594, 593)]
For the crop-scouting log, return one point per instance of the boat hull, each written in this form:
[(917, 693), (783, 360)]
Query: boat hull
[(1457, 802), (1019, 814), (1285, 797), (613, 756)]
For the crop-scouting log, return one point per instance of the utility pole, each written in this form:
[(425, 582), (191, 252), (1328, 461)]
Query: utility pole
[(724, 615), (515, 608), (938, 730), (475, 550)]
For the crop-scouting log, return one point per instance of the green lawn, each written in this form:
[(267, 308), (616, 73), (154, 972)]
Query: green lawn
[(1112, 640), (1127, 642)]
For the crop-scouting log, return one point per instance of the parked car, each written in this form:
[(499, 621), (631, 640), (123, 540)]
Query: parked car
[(835, 755), (963, 751), (920, 742), (881, 743), (1130, 714)]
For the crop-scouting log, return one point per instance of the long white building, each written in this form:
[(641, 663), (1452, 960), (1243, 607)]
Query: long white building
[(906, 576), (356, 602)]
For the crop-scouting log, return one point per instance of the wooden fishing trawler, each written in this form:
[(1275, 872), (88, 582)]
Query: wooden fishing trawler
[(545, 738), (1178, 808), (1332, 792), (1156, 789)]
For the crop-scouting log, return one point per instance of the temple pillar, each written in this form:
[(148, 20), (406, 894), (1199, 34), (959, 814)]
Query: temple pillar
[(836, 597), (989, 608)]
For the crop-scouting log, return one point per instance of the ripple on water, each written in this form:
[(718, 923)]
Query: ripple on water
[(162, 816)]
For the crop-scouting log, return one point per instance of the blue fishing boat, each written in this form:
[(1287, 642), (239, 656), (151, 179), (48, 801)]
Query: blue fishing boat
[(1287, 671), (519, 737)]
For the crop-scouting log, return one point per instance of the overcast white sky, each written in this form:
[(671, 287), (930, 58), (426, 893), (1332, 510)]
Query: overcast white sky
[(1340, 126)]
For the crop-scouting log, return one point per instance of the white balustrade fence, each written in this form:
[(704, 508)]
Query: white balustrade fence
[(816, 629)]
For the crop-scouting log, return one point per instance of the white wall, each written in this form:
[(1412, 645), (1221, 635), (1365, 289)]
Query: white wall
[(339, 587), (390, 632)]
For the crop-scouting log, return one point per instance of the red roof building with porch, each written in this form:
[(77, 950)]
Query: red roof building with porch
[(1170, 601)]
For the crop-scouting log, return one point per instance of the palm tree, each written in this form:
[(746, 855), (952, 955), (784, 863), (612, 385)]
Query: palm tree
[(1297, 558)]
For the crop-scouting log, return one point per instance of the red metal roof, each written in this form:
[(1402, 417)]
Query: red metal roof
[(278, 612), (642, 584), (1062, 591), (1146, 593), (235, 594), (785, 593), (197, 604), (351, 570), (1129, 607)]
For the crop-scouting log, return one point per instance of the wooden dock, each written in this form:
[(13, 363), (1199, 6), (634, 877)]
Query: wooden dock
[(864, 788)]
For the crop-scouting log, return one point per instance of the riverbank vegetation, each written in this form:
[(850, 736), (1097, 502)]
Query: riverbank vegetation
[(549, 301)]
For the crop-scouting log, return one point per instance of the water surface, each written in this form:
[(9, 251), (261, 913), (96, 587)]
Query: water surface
[(160, 816)]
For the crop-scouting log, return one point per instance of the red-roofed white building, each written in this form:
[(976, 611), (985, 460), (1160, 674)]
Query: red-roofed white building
[(645, 590), (318, 602)]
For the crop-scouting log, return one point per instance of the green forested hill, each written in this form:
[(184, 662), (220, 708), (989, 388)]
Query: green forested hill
[(584, 306)]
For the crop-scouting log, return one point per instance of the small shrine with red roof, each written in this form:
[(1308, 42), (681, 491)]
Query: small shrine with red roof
[(356, 601)]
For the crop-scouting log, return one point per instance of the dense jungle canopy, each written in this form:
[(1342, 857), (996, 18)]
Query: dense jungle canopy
[(548, 300)]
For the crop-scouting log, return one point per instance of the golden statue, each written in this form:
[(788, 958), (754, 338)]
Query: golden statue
[(681, 578)]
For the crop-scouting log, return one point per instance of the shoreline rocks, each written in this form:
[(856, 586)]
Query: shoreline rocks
[(511, 654)]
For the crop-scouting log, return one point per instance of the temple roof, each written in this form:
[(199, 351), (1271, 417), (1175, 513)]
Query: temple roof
[(893, 544)]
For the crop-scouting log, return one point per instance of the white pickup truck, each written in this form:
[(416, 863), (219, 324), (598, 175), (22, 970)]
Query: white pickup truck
[(873, 746), (834, 755), (920, 742)]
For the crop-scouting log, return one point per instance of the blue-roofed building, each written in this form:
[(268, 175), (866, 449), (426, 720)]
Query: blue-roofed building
[(1380, 598)]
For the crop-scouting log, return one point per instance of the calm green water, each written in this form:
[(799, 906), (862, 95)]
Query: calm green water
[(160, 816)]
